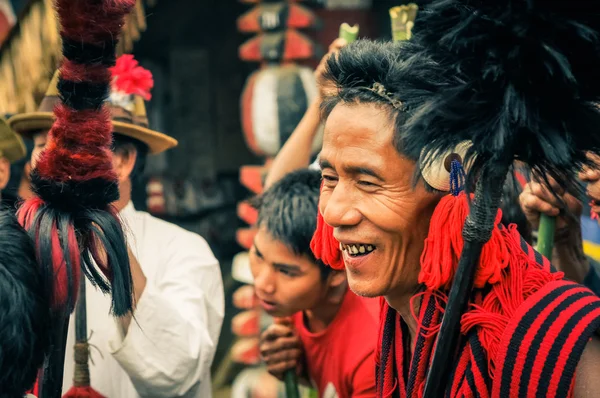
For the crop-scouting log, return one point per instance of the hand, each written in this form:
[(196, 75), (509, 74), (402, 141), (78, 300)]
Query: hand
[(334, 48), (568, 255), (537, 199), (281, 349), (591, 175)]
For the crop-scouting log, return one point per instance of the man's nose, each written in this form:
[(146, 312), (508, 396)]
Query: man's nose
[(338, 208)]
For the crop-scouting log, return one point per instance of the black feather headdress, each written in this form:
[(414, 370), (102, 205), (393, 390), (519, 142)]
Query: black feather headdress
[(519, 81)]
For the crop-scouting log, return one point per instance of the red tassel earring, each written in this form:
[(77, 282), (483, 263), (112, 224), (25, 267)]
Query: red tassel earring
[(444, 242), (324, 246)]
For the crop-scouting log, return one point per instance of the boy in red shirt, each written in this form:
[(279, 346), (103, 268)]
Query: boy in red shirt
[(332, 335)]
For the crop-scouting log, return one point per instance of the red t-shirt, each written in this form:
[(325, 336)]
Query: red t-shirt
[(341, 358)]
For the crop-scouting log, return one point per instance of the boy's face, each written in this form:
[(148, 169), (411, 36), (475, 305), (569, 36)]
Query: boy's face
[(285, 283)]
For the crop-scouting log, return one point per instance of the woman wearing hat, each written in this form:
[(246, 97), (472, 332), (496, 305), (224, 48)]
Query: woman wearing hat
[(168, 348)]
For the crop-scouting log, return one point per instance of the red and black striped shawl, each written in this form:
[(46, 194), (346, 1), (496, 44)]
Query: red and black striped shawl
[(534, 353)]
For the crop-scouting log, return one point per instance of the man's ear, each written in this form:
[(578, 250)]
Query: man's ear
[(124, 162), (4, 172)]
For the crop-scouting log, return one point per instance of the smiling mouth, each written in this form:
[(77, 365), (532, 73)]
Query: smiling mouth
[(357, 249)]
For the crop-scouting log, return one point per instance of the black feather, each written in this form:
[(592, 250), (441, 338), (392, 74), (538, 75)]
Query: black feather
[(522, 82), (522, 85), (72, 196)]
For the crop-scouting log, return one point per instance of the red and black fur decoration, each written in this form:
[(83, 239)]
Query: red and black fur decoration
[(71, 220)]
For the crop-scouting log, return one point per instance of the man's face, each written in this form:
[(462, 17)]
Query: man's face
[(39, 143), (379, 217), (285, 282), (591, 175)]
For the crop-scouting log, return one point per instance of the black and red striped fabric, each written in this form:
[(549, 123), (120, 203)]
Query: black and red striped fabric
[(537, 353)]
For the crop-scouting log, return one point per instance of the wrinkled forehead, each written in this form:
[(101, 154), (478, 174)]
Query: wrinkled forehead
[(358, 123), (359, 132)]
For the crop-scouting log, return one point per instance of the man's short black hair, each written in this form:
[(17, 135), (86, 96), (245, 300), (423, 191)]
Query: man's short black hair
[(24, 310), (288, 211), (350, 76)]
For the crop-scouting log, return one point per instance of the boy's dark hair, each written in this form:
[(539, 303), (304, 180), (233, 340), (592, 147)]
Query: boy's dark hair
[(288, 210), (24, 310)]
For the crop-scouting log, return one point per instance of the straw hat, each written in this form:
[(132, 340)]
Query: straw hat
[(11, 145), (128, 113)]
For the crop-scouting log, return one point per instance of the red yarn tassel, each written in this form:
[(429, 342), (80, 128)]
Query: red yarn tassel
[(444, 244), (325, 247), (503, 267)]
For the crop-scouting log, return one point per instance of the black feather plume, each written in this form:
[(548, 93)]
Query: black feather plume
[(521, 82)]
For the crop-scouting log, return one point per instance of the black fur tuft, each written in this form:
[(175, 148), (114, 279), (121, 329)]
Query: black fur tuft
[(89, 54), (83, 95), (75, 195)]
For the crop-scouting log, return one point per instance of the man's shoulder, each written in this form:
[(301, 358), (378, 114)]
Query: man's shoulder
[(560, 304), (551, 325)]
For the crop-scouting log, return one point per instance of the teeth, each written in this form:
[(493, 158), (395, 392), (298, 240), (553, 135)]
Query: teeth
[(357, 249)]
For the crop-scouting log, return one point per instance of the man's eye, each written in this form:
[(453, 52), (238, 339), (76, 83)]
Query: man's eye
[(329, 178), (366, 183)]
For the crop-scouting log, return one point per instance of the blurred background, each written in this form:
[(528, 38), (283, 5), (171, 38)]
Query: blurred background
[(215, 64)]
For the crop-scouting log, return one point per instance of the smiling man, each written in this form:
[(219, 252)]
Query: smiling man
[(290, 282), (526, 331)]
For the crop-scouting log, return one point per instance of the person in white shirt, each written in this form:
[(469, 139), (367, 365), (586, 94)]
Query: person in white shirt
[(166, 346)]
